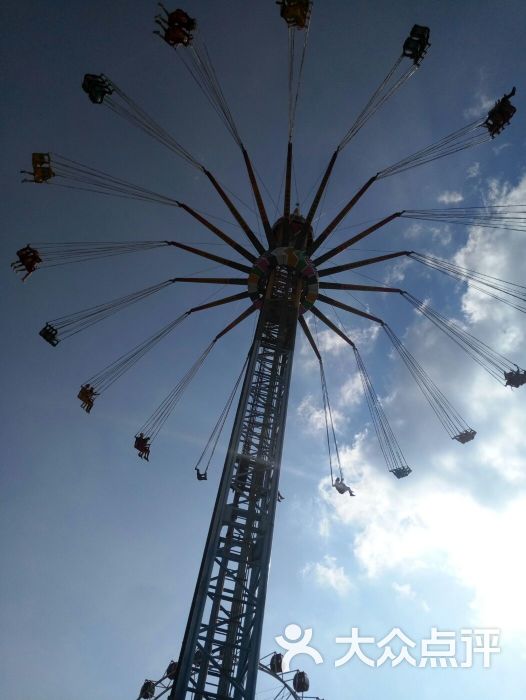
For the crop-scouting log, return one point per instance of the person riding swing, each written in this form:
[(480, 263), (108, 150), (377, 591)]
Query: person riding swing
[(342, 487), (87, 395), (142, 446)]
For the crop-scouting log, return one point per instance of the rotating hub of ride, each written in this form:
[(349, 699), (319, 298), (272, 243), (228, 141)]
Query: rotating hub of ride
[(291, 237)]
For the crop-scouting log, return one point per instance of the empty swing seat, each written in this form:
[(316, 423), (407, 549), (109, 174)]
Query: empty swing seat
[(420, 32), (50, 334), (400, 472), (465, 436)]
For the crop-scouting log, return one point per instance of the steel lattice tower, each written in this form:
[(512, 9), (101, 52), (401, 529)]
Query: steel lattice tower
[(220, 652)]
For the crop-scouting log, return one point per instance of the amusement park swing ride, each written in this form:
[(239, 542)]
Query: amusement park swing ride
[(283, 280)]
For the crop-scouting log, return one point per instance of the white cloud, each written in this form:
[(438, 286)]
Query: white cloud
[(439, 234), (351, 392), (329, 343), (404, 590), (365, 337), (473, 170), (431, 526), (499, 253), (414, 231), (501, 147), (353, 457), (463, 512), (480, 108), (313, 416), (396, 272), (324, 526), (327, 574), (450, 197)]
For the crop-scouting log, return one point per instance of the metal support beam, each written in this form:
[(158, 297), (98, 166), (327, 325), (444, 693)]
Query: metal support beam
[(258, 198), (367, 232), (339, 217), (361, 263), (350, 309), (321, 189), (217, 231), (358, 287), (212, 280), (235, 213), (211, 256)]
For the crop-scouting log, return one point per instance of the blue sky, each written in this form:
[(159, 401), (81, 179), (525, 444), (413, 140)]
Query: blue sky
[(101, 549)]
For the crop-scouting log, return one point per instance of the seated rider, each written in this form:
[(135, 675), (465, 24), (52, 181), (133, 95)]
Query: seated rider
[(416, 43), (504, 101), (97, 87), (500, 114), (182, 19), (142, 446), (174, 36), (28, 259), (42, 170), (179, 17), (41, 167), (177, 26), (87, 395), (342, 487), (201, 476), (294, 12), (24, 255), (515, 378), (21, 255), (31, 266)]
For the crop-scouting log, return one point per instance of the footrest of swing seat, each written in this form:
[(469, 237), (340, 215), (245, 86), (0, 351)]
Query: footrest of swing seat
[(400, 472)]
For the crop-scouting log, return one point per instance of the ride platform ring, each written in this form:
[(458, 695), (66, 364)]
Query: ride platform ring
[(287, 257)]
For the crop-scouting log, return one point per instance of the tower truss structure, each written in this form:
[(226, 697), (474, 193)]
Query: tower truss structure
[(219, 657)]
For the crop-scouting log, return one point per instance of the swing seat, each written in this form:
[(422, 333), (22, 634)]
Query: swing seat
[(147, 690), (515, 379), (300, 682), (171, 671), (400, 472), (465, 436), (84, 395), (420, 32), (276, 663), (49, 333)]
